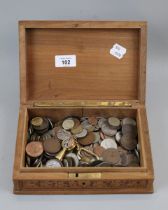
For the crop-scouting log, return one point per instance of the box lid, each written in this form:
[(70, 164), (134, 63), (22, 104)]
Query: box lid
[(110, 61)]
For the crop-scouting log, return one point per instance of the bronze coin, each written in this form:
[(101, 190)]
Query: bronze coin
[(34, 149), (92, 120), (51, 146), (98, 150), (87, 140), (111, 155), (128, 142)]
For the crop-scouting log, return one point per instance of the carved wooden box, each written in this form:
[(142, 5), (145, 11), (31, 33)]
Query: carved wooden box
[(99, 84)]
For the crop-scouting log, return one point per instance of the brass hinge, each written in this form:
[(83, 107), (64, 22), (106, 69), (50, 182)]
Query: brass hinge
[(85, 175), (88, 103)]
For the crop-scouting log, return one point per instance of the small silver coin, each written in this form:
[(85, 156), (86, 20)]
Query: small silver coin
[(109, 143), (107, 130), (101, 121), (82, 134), (114, 122), (63, 134), (68, 124), (53, 163)]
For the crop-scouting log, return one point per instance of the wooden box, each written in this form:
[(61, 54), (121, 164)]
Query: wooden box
[(100, 84)]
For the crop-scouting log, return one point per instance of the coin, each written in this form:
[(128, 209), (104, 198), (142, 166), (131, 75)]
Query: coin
[(124, 159), (52, 146), (107, 130), (129, 129), (81, 134), (68, 124), (101, 121), (98, 150), (34, 149), (111, 155), (74, 157), (133, 161), (89, 139), (92, 120), (128, 121), (128, 142), (63, 134), (53, 163), (114, 122), (37, 121), (109, 143), (118, 136), (97, 137), (77, 130)]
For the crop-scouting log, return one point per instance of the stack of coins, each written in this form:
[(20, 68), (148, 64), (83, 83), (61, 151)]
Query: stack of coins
[(82, 142)]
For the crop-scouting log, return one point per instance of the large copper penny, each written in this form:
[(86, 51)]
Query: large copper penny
[(52, 146), (111, 155), (34, 149), (87, 140), (92, 120)]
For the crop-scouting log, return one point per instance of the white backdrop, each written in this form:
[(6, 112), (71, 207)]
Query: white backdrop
[(157, 100)]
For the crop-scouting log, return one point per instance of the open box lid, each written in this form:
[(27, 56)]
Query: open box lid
[(110, 61)]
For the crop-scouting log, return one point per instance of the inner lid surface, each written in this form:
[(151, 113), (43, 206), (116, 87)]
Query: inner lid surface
[(98, 75)]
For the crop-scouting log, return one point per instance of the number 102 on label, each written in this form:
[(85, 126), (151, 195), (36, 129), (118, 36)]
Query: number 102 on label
[(65, 61)]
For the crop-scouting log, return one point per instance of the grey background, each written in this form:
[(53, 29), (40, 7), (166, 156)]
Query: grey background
[(156, 13)]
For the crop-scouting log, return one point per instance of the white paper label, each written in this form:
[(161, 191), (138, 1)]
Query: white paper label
[(65, 61), (118, 51)]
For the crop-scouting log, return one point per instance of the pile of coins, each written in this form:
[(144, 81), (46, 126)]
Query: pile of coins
[(82, 141)]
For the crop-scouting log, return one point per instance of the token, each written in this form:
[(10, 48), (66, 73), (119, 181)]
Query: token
[(68, 124), (81, 134), (114, 122), (53, 163), (128, 121), (109, 143), (34, 149), (52, 146), (111, 155), (87, 140), (98, 150), (128, 142)]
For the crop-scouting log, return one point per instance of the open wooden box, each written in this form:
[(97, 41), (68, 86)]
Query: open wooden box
[(100, 84)]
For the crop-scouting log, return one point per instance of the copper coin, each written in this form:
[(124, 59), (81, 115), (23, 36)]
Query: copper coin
[(128, 142), (52, 146), (98, 150), (111, 156), (34, 149), (87, 140), (92, 120)]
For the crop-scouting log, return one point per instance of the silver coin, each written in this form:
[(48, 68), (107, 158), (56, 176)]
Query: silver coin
[(118, 136), (82, 134), (74, 157), (53, 163), (107, 130), (101, 121), (63, 134), (68, 124), (86, 125), (109, 143)]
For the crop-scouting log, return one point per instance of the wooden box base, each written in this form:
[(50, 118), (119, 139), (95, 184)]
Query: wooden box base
[(78, 180)]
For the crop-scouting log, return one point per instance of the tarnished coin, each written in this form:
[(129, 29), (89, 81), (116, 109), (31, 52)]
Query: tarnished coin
[(114, 122), (68, 124), (124, 159), (129, 129), (52, 146), (128, 121), (37, 121), (107, 130), (92, 120), (128, 142), (81, 134), (109, 143), (77, 130), (87, 140), (111, 156), (53, 163), (34, 149), (63, 134), (98, 150)]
